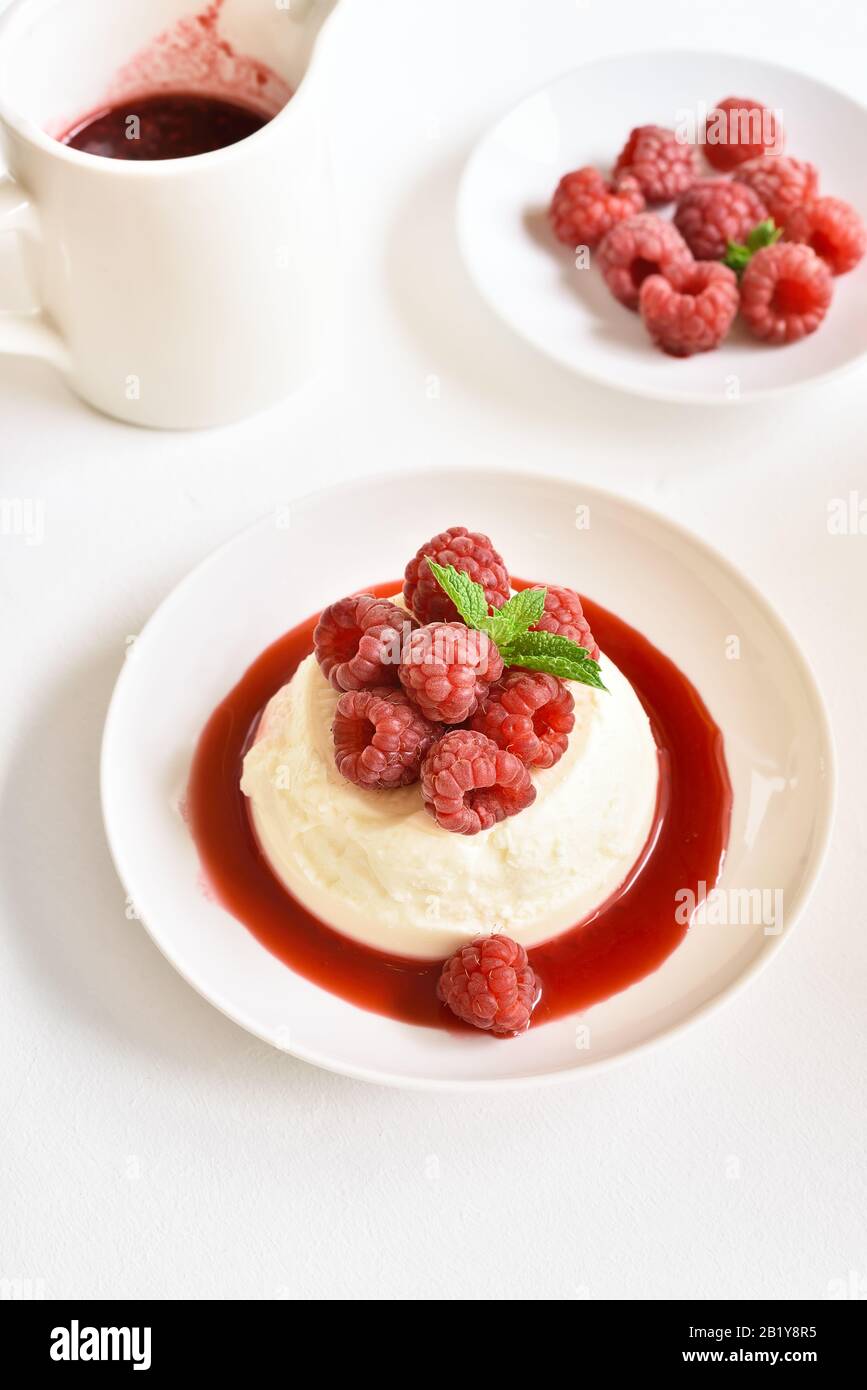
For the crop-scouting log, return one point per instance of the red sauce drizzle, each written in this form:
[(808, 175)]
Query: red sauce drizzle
[(625, 939)]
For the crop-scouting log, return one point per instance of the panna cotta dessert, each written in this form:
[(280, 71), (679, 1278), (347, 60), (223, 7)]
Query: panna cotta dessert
[(452, 773), (475, 799), (378, 866)]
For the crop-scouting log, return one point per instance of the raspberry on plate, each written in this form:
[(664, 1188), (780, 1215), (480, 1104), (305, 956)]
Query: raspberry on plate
[(781, 182), (641, 246), (714, 212), (738, 129), (468, 551), (530, 714), (490, 984), (693, 310), (833, 229), (663, 165), (380, 738), (564, 616), (469, 784), (785, 292), (586, 205), (358, 640), (446, 668)]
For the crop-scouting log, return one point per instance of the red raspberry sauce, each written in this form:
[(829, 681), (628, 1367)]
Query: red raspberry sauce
[(169, 127), (624, 940)]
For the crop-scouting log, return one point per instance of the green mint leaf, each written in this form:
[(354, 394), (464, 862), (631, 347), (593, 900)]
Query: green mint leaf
[(518, 613), (738, 256), (507, 627), (467, 596), (558, 656), (764, 234)]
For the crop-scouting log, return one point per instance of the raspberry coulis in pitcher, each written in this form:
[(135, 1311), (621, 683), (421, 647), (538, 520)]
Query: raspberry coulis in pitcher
[(164, 126), (189, 91), (623, 940)]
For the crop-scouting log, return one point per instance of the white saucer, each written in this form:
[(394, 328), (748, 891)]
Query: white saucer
[(530, 280), (683, 596)]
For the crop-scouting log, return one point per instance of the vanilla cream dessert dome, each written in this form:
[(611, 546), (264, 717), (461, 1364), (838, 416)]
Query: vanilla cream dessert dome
[(376, 866)]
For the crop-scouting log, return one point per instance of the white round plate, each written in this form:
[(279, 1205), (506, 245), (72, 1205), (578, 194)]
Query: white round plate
[(684, 597), (531, 281)]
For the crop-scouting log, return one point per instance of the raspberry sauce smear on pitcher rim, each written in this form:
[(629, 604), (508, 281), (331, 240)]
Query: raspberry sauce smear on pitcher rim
[(623, 940)]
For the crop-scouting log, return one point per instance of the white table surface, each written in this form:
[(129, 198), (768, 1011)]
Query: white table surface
[(151, 1148)]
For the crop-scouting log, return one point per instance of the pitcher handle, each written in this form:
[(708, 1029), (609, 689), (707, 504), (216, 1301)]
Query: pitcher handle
[(26, 333)]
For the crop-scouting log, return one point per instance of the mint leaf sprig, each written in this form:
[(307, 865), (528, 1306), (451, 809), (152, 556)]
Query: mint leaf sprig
[(508, 627), (738, 257)]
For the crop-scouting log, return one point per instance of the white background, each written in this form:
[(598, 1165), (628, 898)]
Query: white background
[(151, 1148)]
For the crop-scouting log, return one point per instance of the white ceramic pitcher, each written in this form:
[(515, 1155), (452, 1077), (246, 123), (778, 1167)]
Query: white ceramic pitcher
[(179, 292)]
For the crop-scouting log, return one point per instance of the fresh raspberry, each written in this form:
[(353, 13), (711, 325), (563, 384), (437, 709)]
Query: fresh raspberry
[(358, 640), (833, 229), (785, 292), (739, 129), (491, 985), (468, 551), (586, 206), (469, 784), (641, 246), (564, 615), (663, 165), (529, 714), (446, 668), (782, 183), (714, 212), (380, 738), (691, 312)]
